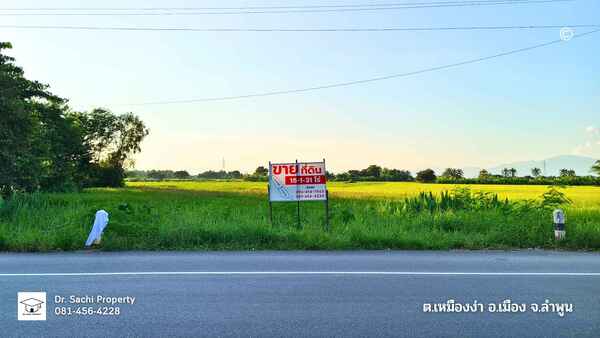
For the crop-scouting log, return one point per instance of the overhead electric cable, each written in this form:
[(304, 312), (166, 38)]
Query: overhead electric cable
[(335, 10), (383, 29), (374, 79), (392, 4)]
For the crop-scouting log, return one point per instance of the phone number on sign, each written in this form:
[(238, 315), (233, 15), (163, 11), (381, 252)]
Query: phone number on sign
[(87, 311)]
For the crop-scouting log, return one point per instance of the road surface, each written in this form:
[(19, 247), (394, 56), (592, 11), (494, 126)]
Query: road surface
[(302, 294)]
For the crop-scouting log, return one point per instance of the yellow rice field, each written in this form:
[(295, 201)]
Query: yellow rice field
[(582, 196)]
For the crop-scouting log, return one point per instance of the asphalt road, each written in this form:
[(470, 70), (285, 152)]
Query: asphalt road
[(304, 294)]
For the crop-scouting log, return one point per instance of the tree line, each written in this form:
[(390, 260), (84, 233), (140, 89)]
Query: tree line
[(159, 175), (510, 176), (371, 173), (375, 173), (47, 146), (260, 174)]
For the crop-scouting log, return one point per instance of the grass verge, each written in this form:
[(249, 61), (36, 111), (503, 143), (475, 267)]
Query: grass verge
[(147, 218)]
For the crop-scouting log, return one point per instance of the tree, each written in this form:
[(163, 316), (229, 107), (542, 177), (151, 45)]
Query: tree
[(181, 174), (536, 172), (261, 171), (371, 171), (484, 174), (354, 174), (39, 148), (213, 175), (396, 175), (161, 174), (426, 176), (136, 174), (596, 168), (236, 174), (65, 157), (329, 175), (567, 173), (342, 177), (112, 140), (509, 173), (45, 146), (453, 173)]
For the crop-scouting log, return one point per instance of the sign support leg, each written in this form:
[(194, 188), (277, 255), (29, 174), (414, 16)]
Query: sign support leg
[(297, 196), (271, 212), (269, 194), (270, 204), (298, 214), (327, 227)]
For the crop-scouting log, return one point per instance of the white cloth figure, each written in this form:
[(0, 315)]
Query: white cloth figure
[(99, 224)]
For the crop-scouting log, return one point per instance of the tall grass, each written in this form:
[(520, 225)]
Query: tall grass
[(147, 218)]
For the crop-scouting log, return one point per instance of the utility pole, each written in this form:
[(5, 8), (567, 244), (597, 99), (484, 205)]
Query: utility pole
[(544, 167)]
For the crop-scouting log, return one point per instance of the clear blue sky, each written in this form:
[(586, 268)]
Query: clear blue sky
[(526, 106)]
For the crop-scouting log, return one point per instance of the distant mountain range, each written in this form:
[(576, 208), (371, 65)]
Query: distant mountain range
[(553, 165)]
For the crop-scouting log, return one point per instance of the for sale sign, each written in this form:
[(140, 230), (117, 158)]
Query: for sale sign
[(297, 182)]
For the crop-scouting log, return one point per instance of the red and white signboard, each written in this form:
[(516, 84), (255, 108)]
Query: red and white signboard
[(297, 182)]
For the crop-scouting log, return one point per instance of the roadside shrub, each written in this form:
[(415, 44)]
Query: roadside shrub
[(554, 198), (456, 199)]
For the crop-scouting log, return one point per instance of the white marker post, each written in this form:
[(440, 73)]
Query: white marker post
[(559, 224), (100, 223)]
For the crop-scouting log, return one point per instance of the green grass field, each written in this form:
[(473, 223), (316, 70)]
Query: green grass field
[(234, 215)]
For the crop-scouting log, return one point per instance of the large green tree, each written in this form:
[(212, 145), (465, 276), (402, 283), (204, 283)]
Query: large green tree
[(453, 173), (261, 171), (45, 146), (426, 176), (596, 168), (111, 141), (38, 144), (484, 174), (567, 173), (371, 171)]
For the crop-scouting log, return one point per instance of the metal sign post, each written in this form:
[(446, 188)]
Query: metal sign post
[(269, 193), (297, 195), (326, 202), (327, 211)]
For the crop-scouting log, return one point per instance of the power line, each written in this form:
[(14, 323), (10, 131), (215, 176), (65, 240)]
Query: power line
[(390, 29), (394, 4), (336, 10), (374, 79)]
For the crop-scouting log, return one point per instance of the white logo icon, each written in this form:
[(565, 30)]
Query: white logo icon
[(31, 306), (566, 33)]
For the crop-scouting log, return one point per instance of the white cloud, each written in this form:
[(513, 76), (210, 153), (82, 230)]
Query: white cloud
[(591, 130), (591, 145)]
